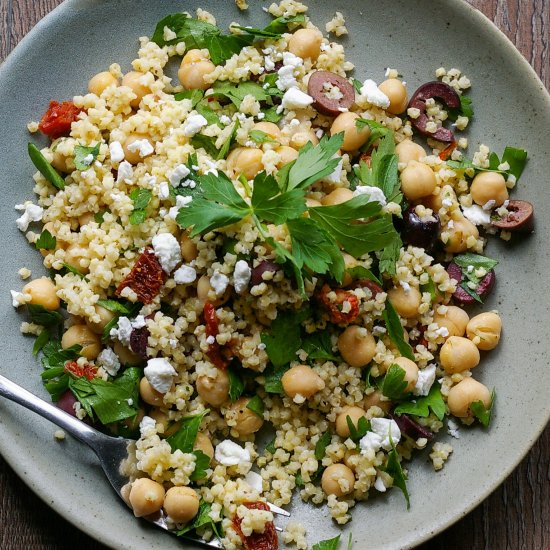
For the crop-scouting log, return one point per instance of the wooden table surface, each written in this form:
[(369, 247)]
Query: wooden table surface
[(514, 517)]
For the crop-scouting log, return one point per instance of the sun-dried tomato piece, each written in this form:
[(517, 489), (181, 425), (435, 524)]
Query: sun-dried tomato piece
[(258, 541), (146, 277), (448, 151), (87, 370), (57, 120), (212, 329), (343, 308)]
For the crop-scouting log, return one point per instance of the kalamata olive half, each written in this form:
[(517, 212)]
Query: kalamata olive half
[(483, 288), (257, 273), (409, 427), (520, 217), (326, 98), (66, 402), (138, 341), (433, 90), (417, 231)]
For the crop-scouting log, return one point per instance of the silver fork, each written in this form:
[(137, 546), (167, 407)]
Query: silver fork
[(111, 451)]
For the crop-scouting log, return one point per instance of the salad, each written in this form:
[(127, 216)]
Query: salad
[(257, 273)]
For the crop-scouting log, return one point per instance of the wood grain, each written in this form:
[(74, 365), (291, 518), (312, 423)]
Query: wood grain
[(514, 517)]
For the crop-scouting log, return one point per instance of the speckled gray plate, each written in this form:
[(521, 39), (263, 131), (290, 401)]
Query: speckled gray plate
[(82, 37)]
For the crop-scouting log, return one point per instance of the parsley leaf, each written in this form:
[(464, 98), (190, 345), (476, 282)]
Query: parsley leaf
[(193, 95), (236, 385), (184, 438), (483, 413), (237, 92), (516, 158), (329, 544), (260, 137), (199, 141), (271, 205), (220, 205), (359, 431), (312, 164), (256, 405), (313, 248), (270, 447), (142, 198), (321, 445), (46, 241), (394, 383), (389, 255), (360, 272), (117, 307), (72, 269), (56, 380), (272, 377), (82, 156), (230, 140), (319, 346), (275, 29), (283, 340), (394, 469), (357, 239), (41, 340), (395, 331), (44, 167), (42, 316), (201, 520), (422, 406), (109, 400), (465, 109), (200, 34), (202, 463), (469, 263)]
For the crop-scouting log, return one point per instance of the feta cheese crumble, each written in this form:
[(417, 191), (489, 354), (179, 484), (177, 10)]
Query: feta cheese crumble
[(193, 125), (122, 331), (370, 91), (477, 215), (167, 250), (116, 151), (125, 172), (160, 374), (109, 360), (31, 213), (241, 276), (185, 275), (219, 283), (386, 429), (296, 99), (229, 453), (424, 383), (178, 173), (142, 146), (147, 424), (17, 298), (375, 193)]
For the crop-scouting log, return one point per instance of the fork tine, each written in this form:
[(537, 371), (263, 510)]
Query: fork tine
[(277, 510)]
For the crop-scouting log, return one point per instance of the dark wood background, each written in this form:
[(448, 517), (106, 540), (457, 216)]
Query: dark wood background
[(514, 517)]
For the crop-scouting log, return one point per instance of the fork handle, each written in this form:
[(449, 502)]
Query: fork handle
[(75, 427)]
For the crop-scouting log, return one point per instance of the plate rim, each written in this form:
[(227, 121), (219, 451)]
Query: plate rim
[(32, 482)]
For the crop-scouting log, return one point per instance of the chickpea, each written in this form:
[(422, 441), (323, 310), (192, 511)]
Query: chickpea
[(302, 380), (247, 422), (338, 480), (59, 161), (411, 372), (42, 292), (338, 196), (189, 250), (149, 394), (191, 74), (458, 354), (194, 56), (181, 504), (353, 137), (454, 320), (484, 330), (126, 356), (246, 161), (417, 180), (408, 150), (489, 186), (100, 82), (299, 139), (312, 202), (376, 399), (354, 413), (204, 444), (350, 459), (133, 81), (461, 230), (83, 336), (215, 391), (75, 256), (405, 301), (133, 156), (105, 317), (86, 218), (146, 496), (397, 94), (306, 43), (435, 202), (269, 128), (203, 290), (349, 261), (357, 346), (465, 393), (287, 154)]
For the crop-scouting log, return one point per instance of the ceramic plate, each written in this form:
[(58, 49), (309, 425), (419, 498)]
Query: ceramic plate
[(82, 37)]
